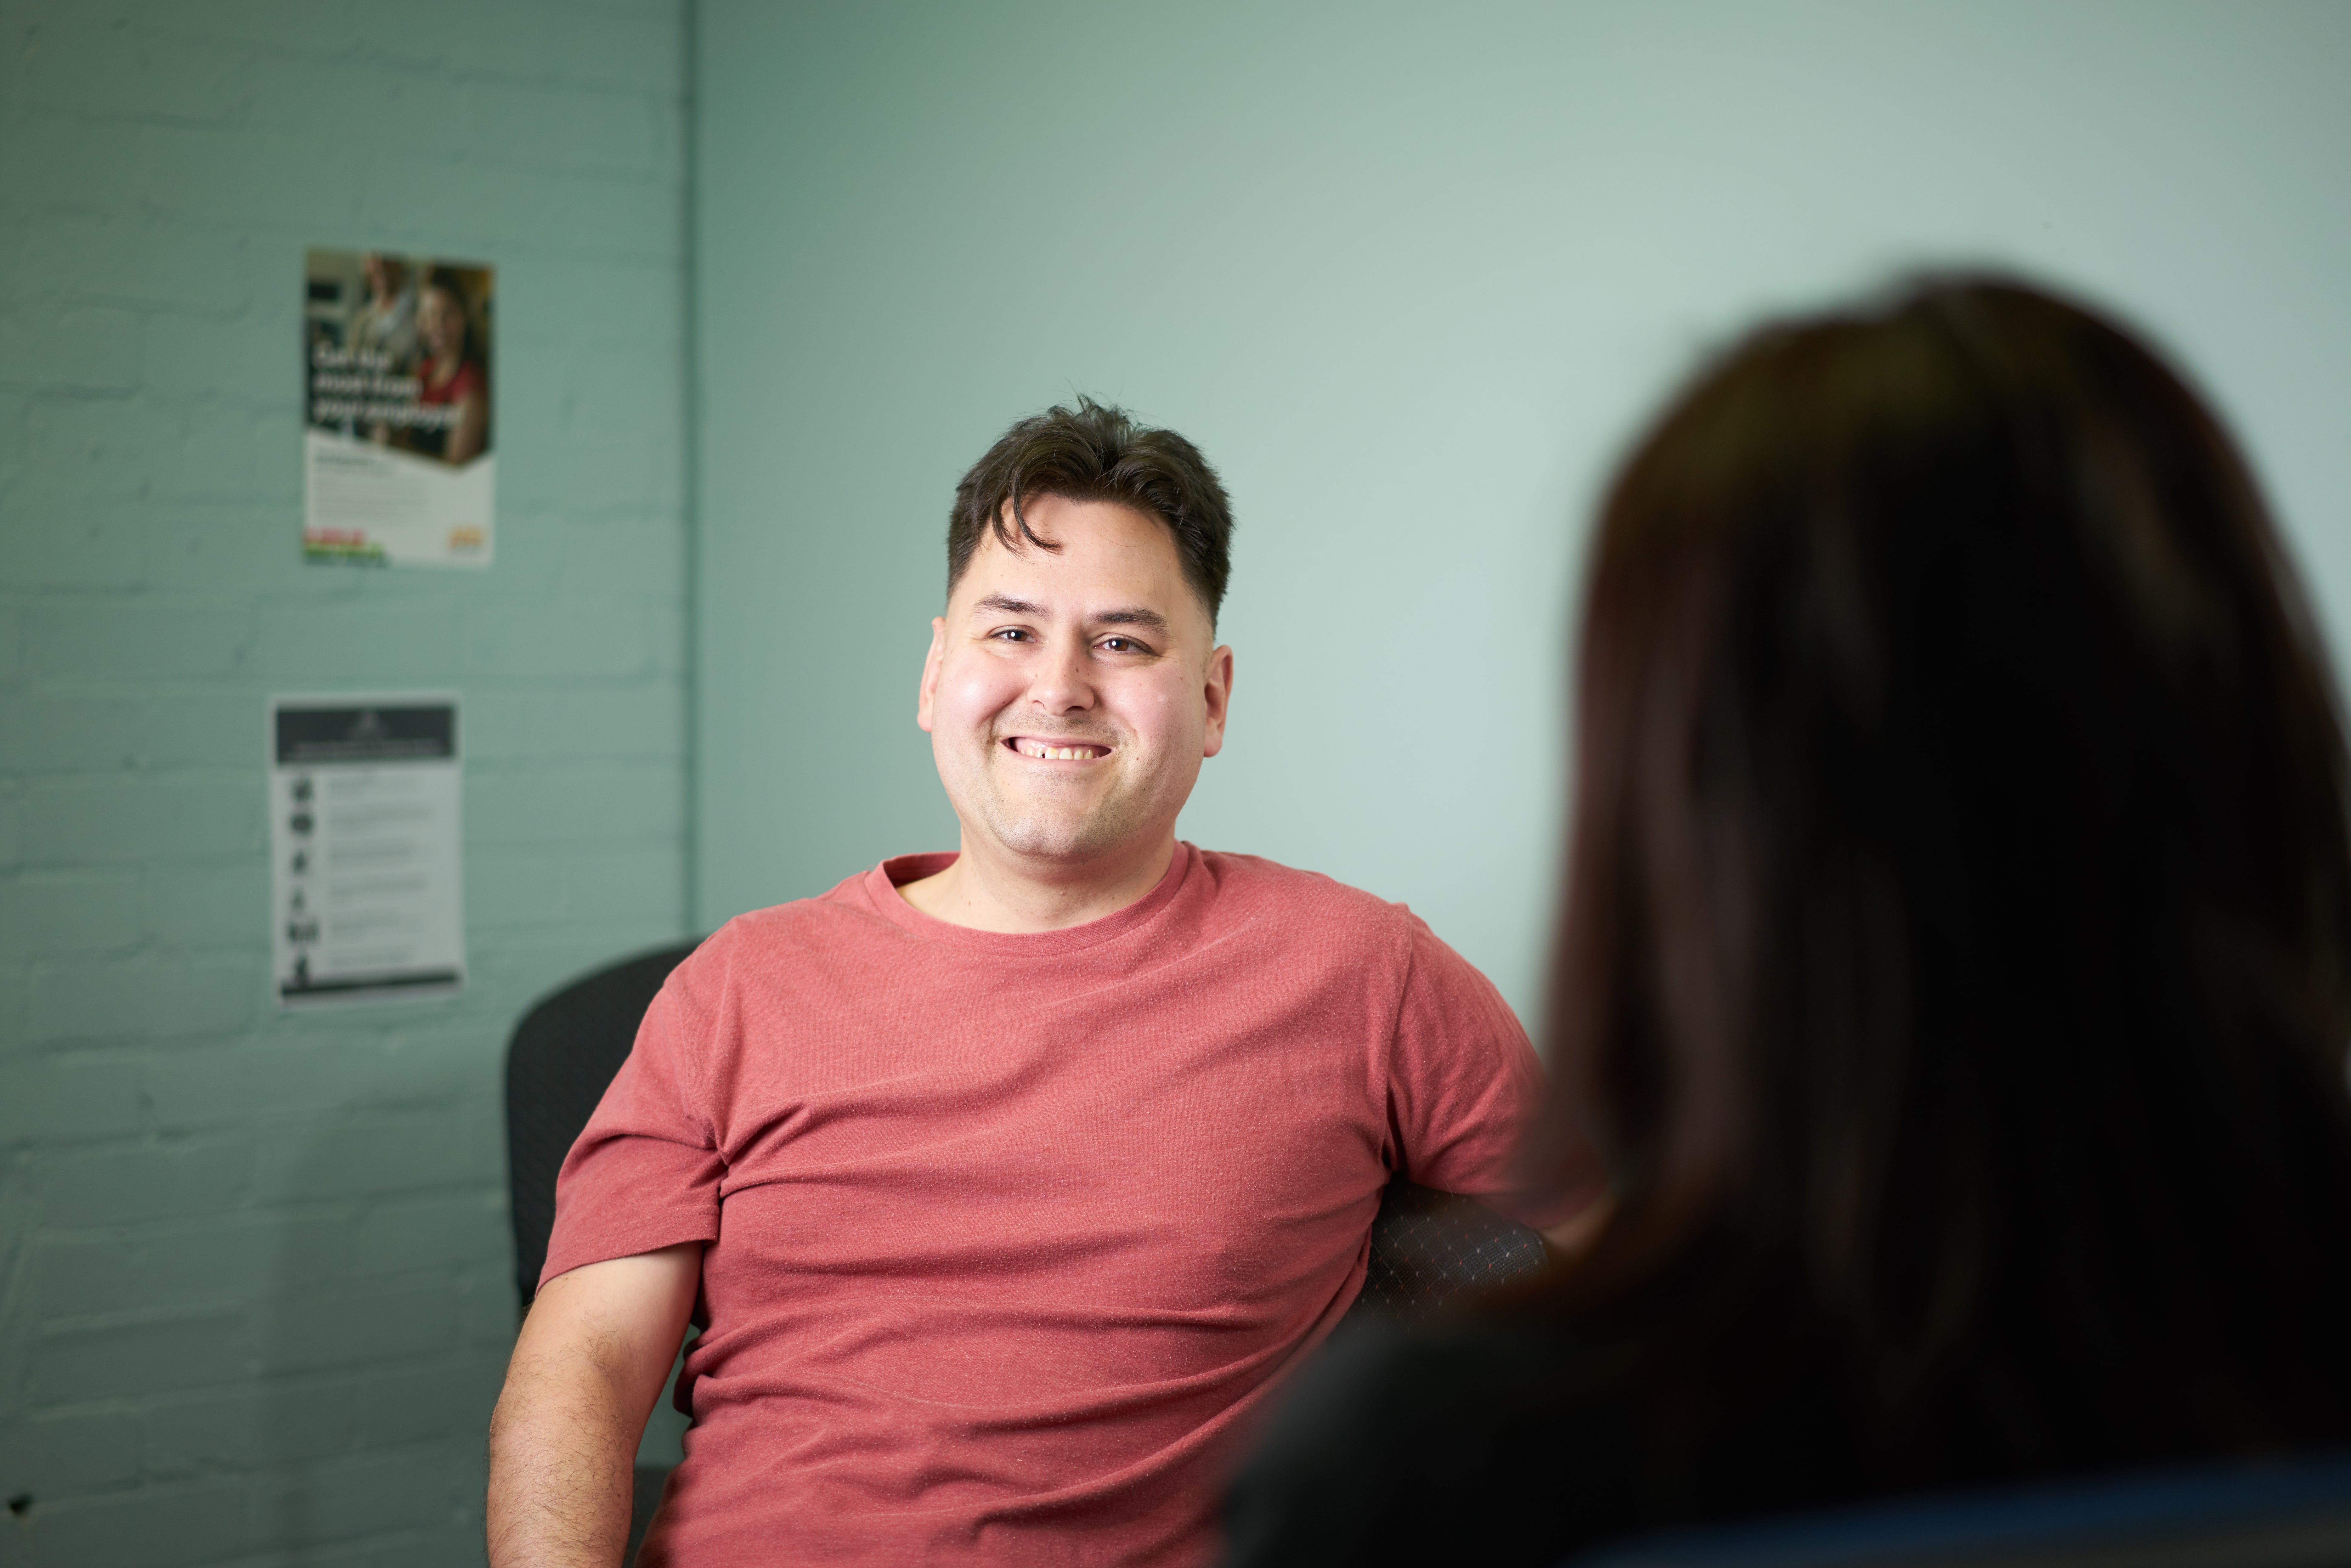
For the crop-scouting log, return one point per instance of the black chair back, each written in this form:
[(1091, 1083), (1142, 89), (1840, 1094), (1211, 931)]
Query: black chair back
[(563, 1056), (1432, 1249)]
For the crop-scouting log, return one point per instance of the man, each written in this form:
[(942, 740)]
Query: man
[(1007, 1181)]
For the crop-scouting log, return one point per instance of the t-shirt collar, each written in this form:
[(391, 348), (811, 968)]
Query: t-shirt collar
[(882, 883)]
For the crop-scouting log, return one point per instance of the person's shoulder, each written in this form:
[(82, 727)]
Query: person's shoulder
[(766, 958), (1255, 880), (843, 910), (1319, 909)]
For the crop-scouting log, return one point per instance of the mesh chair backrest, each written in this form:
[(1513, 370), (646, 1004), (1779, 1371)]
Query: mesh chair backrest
[(1431, 1249), (562, 1057)]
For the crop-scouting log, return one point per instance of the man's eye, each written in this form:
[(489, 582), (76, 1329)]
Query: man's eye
[(1121, 645), (1010, 634)]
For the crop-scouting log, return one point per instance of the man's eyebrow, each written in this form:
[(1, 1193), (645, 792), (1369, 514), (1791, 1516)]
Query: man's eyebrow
[(1133, 615), (1005, 604)]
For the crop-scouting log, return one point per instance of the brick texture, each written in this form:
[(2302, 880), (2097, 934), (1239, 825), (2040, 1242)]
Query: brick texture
[(254, 1299)]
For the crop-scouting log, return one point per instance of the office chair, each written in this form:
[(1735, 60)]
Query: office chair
[(1431, 1249), (563, 1054), (562, 1057)]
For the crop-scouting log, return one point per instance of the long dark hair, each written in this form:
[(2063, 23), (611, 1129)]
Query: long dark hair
[(1955, 972), (471, 349)]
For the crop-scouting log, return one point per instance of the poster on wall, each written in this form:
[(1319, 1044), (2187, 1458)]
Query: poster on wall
[(367, 885), (398, 466)]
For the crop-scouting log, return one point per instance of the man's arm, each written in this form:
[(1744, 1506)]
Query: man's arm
[(591, 1359), (1571, 1238)]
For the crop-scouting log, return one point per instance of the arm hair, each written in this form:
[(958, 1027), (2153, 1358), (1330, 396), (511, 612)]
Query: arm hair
[(591, 1360)]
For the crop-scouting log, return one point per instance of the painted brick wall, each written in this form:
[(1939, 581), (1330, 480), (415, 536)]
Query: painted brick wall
[(254, 1301)]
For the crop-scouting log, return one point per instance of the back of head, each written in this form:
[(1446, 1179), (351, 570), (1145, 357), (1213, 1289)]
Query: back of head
[(1958, 942)]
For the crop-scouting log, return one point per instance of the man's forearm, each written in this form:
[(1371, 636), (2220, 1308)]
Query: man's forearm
[(591, 1360), (564, 1446)]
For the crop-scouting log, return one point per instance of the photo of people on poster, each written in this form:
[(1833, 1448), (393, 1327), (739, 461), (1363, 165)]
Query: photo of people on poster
[(397, 364)]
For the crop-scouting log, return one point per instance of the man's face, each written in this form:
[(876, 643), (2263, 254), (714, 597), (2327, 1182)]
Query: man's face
[(1071, 694)]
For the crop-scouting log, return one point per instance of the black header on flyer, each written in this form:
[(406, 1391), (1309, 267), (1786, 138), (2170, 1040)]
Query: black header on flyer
[(360, 734), (424, 980)]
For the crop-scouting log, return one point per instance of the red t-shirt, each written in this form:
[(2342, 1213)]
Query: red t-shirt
[(456, 389), (1008, 1235)]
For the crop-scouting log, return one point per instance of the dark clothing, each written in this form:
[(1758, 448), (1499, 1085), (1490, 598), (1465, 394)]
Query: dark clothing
[(1471, 1445), (1523, 1435), (1502, 1441)]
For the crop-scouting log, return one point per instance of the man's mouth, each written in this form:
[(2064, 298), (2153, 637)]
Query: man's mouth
[(1056, 750)]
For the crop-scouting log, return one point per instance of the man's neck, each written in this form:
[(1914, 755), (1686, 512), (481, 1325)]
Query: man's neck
[(1018, 899)]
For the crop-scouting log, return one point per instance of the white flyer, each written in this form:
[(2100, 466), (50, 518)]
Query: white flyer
[(365, 827)]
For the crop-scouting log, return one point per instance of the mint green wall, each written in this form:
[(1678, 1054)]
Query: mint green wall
[(1408, 273), (254, 1269)]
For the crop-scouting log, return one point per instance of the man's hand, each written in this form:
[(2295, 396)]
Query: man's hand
[(1570, 1237), (591, 1359)]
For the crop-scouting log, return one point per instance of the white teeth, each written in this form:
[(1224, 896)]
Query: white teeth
[(1058, 753)]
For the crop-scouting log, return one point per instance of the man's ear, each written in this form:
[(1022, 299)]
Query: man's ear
[(1219, 690), (930, 685)]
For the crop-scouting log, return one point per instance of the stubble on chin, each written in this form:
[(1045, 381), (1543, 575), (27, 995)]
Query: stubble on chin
[(1049, 825), (1039, 831)]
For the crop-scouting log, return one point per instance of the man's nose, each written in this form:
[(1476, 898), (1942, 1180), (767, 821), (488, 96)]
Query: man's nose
[(1064, 682)]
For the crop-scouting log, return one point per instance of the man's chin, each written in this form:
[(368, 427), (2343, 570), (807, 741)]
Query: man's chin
[(1063, 841), (1057, 849)]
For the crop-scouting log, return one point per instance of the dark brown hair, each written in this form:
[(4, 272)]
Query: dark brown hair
[(1957, 945), (1096, 453), (447, 280)]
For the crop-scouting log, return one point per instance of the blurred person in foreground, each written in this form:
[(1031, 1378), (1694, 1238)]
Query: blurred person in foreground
[(1955, 973)]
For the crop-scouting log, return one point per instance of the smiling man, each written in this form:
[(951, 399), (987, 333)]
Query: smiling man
[(1071, 692), (1005, 1183)]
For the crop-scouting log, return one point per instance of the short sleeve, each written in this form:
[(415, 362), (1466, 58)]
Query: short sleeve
[(645, 1172), (1464, 1083)]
